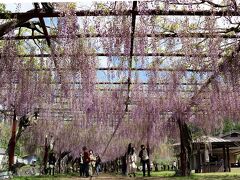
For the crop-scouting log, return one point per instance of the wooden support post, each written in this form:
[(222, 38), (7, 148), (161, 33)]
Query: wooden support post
[(12, 143), (228, 160), (198, 158), (224, 158)]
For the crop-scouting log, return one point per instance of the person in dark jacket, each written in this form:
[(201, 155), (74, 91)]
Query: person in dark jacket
[(81, 166), (144, 158), (124, 164), (51, 161), (98, 164), (86, 161)]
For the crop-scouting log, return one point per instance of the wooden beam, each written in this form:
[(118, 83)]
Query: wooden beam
[(158, 35), (154, 69), (11, 25), (124, 83), (164, 54), (121, 69), (42, 24), (149, 12)]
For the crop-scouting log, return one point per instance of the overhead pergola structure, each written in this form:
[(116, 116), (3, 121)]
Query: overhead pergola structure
[(164, 48), (46, 13)]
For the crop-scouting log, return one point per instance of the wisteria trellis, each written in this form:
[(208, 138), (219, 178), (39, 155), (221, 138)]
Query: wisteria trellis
[(166, 75)]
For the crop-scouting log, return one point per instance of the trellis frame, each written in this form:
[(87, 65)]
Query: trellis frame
[(39, 13)]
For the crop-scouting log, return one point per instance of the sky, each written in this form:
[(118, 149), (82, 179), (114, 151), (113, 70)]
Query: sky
[(23, 7), (86, 2), (26, 5)]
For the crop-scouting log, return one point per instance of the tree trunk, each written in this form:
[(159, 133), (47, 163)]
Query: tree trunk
[(14, 139), (45, 158), (12, 143), (186, 149), (59, 163), (13, 24)]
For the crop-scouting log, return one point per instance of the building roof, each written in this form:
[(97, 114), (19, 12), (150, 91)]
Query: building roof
[(230, 133), (210, 139)]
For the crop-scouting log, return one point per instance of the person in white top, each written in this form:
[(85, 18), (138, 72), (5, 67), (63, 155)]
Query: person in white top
[(128, 155), (92, 163), (133, 161)]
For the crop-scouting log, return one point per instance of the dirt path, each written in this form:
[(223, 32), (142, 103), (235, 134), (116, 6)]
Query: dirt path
[(111, 177), (114, 178)]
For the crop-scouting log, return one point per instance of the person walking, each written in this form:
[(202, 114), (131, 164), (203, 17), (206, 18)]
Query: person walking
[(81, 166), (144, 157), (133, 161), (86, 161), (52, 161), (128, 158), (98, 164), (124, 164), (92, 163), (174, 165)]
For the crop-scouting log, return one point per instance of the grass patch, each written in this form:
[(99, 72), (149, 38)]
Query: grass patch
[(165, 175), (159, 174), (45, 177), (233, 175)]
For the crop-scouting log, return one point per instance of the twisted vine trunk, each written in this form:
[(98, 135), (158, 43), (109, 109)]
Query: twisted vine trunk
[(186, 148), (12, 143), (16, 134)]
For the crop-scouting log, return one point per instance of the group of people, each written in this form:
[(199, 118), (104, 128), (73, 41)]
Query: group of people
[(89, 163), (131, 160)]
